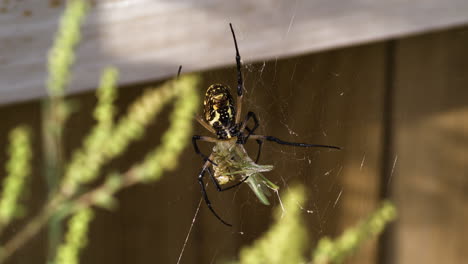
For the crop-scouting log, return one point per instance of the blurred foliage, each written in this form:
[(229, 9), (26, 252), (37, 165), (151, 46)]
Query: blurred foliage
[(286, 240), (18, 169), (76, 237), (56, 109), (85, 163), (62, 54), (70, 193), (336, 250)]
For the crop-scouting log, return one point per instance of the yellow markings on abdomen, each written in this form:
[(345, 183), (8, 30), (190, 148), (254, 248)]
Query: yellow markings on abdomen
[(215, 118)]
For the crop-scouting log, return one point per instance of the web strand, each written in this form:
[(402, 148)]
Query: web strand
[(190, 231)]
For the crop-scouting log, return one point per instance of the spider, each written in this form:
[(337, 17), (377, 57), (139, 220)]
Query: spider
[(229, 159)]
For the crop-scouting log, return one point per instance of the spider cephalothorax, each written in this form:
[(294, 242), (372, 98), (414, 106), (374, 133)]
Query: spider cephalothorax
[(219, 110)]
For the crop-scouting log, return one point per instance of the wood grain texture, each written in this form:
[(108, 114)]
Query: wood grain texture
[(148, 39), (357, 108), (431, 141)]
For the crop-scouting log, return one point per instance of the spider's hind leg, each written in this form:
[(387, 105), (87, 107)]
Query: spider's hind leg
[(205, 195)]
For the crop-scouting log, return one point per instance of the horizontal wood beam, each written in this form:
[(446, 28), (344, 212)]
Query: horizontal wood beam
[(148, 39)]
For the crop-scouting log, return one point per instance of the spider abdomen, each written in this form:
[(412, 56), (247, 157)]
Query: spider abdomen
[(219, 110)]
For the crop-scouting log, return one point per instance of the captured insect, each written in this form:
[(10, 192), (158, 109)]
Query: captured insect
[(229, 159)]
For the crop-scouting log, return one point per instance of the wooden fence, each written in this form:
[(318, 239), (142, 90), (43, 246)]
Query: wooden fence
[(398, 108)]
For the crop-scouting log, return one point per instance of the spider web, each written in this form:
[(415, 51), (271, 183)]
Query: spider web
[(293, 164), (280, 92)]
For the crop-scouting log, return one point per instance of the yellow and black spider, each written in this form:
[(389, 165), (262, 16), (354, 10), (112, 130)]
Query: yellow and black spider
[(229, 159)]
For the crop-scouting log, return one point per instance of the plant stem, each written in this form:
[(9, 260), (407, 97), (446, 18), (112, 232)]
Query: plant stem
[(54, 117), (83, 201), (31, 229)]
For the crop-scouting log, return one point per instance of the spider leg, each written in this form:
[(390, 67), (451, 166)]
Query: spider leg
[(178, 72), (197, 150), (260, 144), (252, 115), (250, 131), (240, 81), (205, 124), (205, 195), (281, 142), (240, 87)]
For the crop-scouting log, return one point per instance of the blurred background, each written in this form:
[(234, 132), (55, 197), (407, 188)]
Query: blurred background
[(384, 80)]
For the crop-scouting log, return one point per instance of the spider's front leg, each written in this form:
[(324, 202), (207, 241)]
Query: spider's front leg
[(240, 80), (251, 131), (195, 138), (281, 142), (260, 138)]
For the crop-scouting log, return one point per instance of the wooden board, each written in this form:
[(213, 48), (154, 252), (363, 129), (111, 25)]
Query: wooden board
[(149, 39), (356, 107), (431, 143)]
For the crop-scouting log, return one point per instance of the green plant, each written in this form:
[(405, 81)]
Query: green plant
[(336, 250), (286, 240), (107, 140), (18, 169)]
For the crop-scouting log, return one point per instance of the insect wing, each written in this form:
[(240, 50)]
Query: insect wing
[(260, 186)]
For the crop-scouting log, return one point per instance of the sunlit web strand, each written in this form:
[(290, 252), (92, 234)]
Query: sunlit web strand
[(190, 231)]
